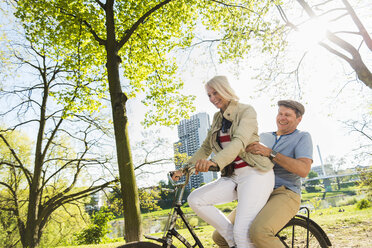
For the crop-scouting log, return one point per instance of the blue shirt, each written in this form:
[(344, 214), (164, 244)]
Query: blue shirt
[(297, 144)]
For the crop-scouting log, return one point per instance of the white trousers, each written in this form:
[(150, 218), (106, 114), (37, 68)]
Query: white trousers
[(250, 186)]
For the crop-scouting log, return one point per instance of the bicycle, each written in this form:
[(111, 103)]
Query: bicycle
[(300, 231)]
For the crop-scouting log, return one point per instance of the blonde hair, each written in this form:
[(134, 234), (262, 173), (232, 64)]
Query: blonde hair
[(222, 86)]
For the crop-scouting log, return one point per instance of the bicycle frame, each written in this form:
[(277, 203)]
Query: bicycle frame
[(169, 232), (173, 215)]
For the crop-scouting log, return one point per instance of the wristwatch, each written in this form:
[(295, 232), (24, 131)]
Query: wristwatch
[(272, 154)]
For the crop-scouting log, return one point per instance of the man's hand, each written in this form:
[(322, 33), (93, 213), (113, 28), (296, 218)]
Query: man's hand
[(176, 175), (299, 166), (203, 165), (258, 148)]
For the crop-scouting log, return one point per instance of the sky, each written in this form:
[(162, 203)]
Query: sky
[(328, 92), (325, 108), (327, 89)]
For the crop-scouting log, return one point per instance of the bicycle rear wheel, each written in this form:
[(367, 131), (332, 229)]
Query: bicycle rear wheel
[(298, 227), (140, 244)]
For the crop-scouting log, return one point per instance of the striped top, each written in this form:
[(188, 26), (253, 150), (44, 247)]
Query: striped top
[(225, 139)]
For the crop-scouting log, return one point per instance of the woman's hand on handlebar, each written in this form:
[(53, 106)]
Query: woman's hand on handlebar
[(176, 175), (203, 165)]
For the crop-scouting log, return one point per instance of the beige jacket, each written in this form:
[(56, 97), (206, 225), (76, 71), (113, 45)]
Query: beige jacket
[(243, 131)]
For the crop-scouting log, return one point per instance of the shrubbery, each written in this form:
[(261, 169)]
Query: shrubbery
[(364, 203), (194, 221), (346, 202), (312, 189), (97, 230), (227, 209)]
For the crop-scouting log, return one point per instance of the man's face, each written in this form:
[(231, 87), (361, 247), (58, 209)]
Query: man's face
[(286, 120)]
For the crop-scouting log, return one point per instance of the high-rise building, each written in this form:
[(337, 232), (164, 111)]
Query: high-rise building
[(191, 133)]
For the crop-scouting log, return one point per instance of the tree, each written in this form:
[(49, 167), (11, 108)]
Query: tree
[(166, 195), (151, 154), (366, 180), (310, 185), (63, 225), (337, 166), (138, 35), (363, 128), (344, 43), (8, 230), (149, 198), (98, 228), (35, 184)]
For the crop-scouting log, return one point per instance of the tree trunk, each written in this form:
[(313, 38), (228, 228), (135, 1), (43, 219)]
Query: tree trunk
[(30, 237), (118, 104), (124, 157)]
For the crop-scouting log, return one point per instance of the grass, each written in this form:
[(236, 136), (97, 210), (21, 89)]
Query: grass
[(345, 226), (349, 228), (110, 245), (345, 191)]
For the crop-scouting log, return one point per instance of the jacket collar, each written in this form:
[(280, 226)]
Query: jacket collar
[(231, 111)]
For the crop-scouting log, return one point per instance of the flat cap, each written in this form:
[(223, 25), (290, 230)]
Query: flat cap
[(296, 106)]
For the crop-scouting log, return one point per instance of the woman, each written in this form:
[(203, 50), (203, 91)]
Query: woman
[(245, 176)]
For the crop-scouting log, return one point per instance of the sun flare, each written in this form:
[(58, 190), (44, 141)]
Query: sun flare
[(309, 34)]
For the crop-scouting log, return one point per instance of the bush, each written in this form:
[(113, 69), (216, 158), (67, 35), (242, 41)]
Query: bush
[(312, 189), (97, 230), (364, 203), (347, 185), (194, 221), (227, 209), (346, 202)]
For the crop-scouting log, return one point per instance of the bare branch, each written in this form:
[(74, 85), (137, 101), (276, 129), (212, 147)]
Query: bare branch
[(152, 162), (356, 62), (334, 51), (25, 171), (61, 199), (307, 8), (367, 39)]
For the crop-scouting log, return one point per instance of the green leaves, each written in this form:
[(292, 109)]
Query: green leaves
[(98, 228), (73, 33)]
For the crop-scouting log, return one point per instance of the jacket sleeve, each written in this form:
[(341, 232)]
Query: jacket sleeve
[(203, 152), (245, 128)]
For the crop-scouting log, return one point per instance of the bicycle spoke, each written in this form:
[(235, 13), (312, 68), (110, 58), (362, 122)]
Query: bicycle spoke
[(295, 235)]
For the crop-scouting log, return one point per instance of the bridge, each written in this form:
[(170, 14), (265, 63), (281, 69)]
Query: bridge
[(330, 176)]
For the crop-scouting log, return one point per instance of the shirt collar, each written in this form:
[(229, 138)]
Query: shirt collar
[(274, 133)]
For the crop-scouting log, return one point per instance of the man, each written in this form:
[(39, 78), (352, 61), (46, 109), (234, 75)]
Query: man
[(291, 151)]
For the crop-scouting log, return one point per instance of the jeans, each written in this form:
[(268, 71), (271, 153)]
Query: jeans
[(251, 186), (282, 205)]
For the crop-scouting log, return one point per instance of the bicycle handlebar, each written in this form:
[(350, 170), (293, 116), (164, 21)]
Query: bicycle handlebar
[(187, 171)]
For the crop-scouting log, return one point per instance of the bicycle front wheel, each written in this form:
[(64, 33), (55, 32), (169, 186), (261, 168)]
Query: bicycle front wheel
[(294, 235)]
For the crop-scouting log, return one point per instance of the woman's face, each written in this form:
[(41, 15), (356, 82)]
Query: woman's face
[(216, 98)]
